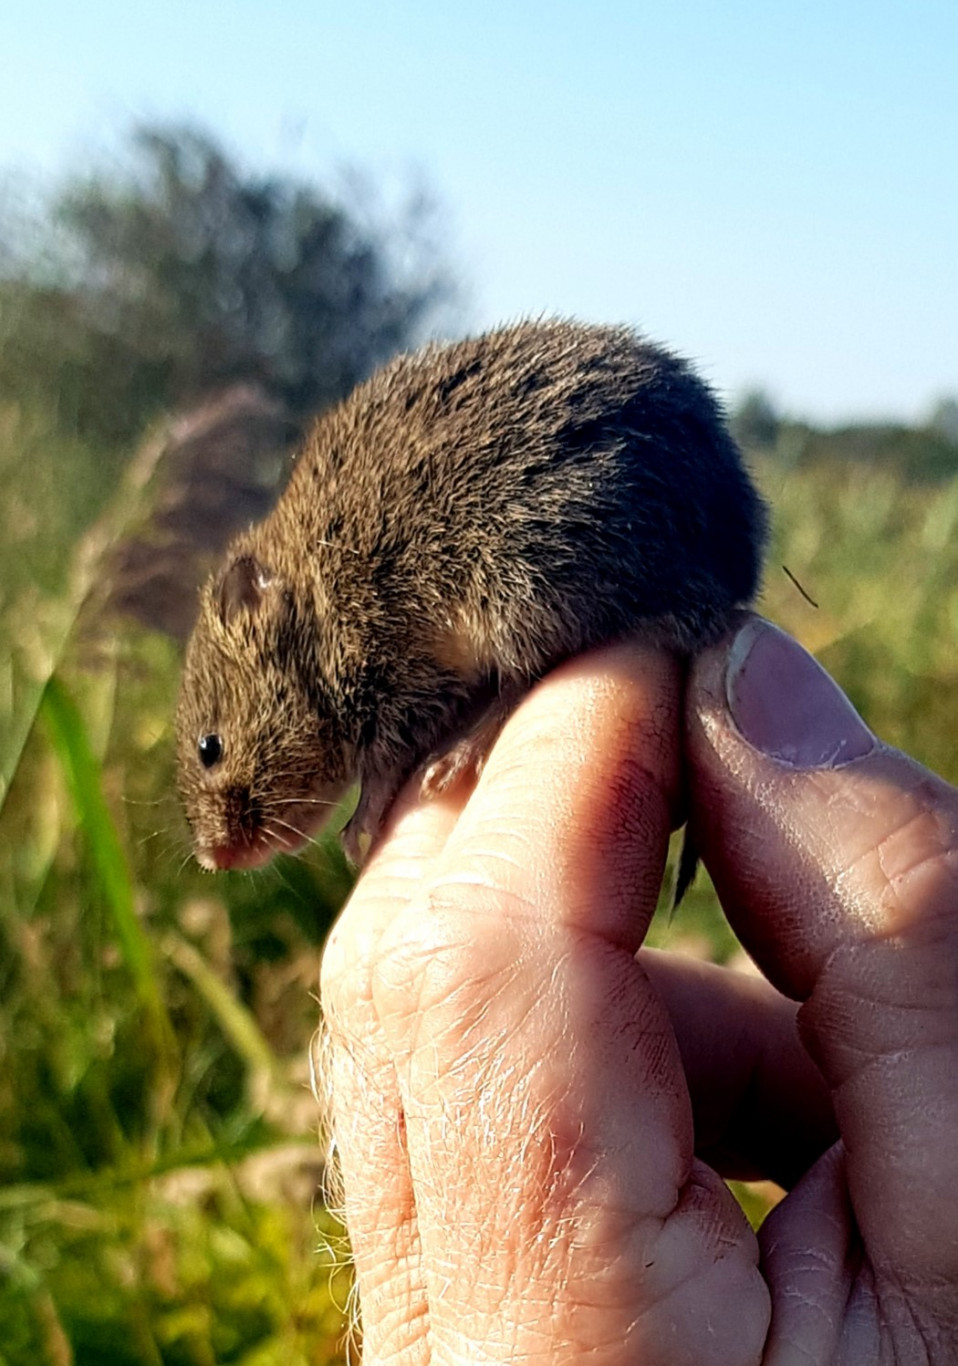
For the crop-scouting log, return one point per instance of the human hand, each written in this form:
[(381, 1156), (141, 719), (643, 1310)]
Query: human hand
[(524, 1110)]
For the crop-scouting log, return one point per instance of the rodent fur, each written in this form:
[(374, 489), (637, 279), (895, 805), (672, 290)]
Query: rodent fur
[(464, 520)]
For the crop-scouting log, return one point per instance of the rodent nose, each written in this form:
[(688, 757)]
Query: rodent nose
[(219, 857)]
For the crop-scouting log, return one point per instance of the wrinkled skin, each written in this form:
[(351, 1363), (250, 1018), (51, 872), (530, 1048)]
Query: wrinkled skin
[(532, 1120)]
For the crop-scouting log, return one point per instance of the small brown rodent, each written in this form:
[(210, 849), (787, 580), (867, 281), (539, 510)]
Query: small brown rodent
[(466, 519)]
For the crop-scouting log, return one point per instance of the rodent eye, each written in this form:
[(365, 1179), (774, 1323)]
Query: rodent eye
[(210, 750)]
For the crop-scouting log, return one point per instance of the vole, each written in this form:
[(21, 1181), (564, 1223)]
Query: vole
[(469, 517)]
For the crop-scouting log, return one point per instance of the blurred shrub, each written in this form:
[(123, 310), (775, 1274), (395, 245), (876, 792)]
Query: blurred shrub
[(755, 422), (153, 283)]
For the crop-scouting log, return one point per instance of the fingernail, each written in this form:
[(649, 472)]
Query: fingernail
[(785, 704)]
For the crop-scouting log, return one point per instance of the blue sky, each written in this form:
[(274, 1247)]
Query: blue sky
[(770, 187)]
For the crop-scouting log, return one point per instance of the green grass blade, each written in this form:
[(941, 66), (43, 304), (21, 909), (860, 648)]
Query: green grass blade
[(237, 1023), (71, 743), (62, 619)]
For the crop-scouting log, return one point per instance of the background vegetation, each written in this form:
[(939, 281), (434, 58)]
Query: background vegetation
[(159, 1167)]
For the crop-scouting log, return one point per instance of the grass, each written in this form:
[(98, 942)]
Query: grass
[(158, 1162)]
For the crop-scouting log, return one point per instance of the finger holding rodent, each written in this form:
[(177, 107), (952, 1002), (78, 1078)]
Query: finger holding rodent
[(595, 747), (358, 1088), (558, 1201), (836, 859)]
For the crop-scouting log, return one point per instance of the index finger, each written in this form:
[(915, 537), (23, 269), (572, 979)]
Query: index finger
[(548, 1124)]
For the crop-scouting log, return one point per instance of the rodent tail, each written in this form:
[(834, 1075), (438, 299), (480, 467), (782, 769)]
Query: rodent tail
[(687, 868)]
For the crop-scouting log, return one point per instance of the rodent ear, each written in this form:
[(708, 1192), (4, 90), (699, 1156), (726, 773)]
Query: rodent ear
[(242, 587)]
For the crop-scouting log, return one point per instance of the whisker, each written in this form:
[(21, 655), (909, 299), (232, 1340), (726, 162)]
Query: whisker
[(282, 803), (275, 822), (144, 840)]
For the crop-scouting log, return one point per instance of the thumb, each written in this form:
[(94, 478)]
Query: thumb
[(836, 860), (816, 834)]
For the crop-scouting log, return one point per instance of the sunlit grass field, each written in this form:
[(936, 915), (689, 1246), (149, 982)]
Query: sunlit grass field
[(159, 1162)]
